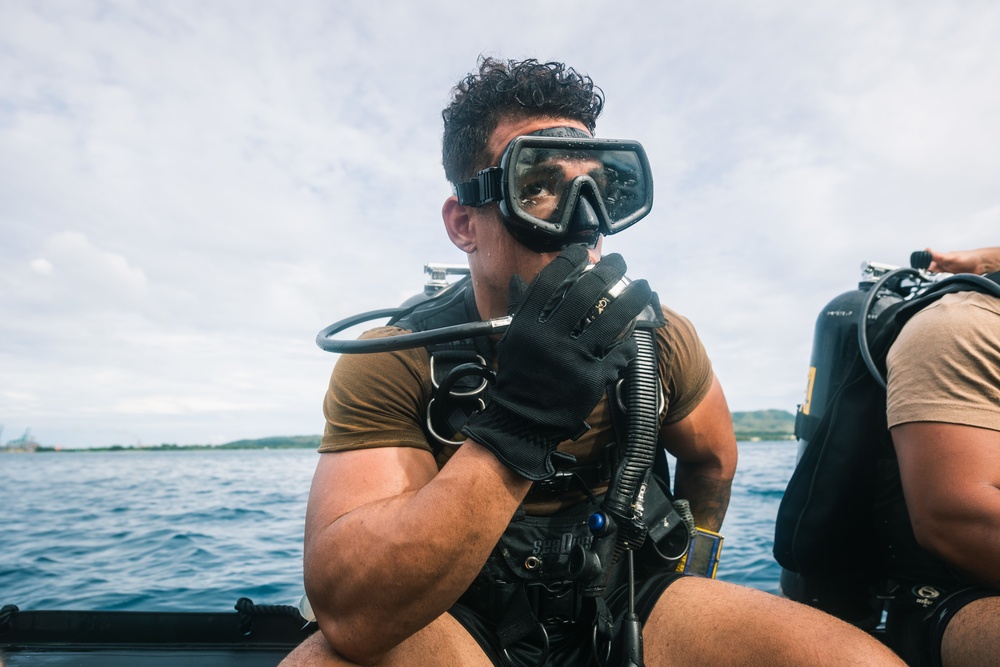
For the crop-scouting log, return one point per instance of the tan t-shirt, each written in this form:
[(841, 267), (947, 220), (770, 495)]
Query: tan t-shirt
[(945, 364), (380, 399)]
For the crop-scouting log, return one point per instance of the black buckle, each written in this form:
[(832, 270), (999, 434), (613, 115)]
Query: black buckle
[(555, 604), (481, 189), (560, 482)]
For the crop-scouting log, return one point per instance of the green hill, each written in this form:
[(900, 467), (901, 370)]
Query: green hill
[(754, 425), (764, 425), (275, 442)]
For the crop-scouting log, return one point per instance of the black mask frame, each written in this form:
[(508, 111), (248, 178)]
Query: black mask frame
[(612, 197)]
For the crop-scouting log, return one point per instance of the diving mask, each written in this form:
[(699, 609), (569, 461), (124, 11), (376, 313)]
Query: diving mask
[(558, 190)]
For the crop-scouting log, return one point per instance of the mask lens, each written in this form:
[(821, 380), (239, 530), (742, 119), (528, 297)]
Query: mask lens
[(623, 185), (541, 180), (545, 180)]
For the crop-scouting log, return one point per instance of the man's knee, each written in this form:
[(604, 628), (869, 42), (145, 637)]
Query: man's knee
[(442, 642), (314, 651), (972, 637), (706, 621)]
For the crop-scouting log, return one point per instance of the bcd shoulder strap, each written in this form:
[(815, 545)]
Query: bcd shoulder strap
[(456, 395)]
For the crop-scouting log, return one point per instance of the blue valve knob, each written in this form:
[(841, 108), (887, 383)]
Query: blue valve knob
[(597, 523)]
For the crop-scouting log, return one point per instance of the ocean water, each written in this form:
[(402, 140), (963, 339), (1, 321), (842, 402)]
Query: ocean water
[(194, 530)]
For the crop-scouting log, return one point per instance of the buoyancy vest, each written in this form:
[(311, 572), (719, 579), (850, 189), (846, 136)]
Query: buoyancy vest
[(534, 552), (456, 396), (842, 529)]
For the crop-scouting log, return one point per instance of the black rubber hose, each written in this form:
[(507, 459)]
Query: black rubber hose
[(866, 354), (641, 426), (985, 284), (404, 341)]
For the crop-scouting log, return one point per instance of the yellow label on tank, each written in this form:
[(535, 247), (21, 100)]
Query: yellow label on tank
[(809, 390)]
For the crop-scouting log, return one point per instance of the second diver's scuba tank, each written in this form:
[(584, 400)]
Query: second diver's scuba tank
[(822, 519), (827, 534)]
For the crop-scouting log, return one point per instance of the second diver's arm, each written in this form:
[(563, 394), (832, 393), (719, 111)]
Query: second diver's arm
[(981, 260), (951, 482)]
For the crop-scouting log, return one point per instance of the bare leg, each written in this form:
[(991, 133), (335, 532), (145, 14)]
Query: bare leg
[(714, 623), (972, 637), (444, 642)]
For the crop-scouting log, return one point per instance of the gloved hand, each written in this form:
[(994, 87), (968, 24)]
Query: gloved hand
[(567, 341)]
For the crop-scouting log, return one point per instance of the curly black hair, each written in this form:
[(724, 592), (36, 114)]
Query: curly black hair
[(510, 89)]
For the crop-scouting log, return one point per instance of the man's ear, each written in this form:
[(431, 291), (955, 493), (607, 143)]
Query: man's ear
[(459, 225)]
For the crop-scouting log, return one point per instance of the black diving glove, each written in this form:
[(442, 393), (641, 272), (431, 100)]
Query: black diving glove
[(568, 340)]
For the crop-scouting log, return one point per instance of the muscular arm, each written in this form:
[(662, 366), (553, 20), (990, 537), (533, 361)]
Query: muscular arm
[(705, 447), (391, 542), (951, 482)]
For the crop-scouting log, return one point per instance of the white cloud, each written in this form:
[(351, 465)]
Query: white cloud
[(41, 266), (188, 192)]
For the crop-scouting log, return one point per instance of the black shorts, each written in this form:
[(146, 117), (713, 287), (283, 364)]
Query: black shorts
[(569, 645), (918, 615)]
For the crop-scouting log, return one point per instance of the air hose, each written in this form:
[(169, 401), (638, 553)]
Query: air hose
[(624, 496), (920, 287), (326, 341), (618, 525), (863, 316)]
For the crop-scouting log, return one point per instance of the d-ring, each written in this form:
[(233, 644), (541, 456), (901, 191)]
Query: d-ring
[(545, 650)]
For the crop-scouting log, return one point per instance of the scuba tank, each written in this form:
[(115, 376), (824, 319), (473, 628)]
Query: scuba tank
[(836, 341), (832, 530), (825, 531)]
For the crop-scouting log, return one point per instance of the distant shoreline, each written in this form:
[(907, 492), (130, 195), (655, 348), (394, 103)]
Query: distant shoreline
[(773, 437), (754, 426)]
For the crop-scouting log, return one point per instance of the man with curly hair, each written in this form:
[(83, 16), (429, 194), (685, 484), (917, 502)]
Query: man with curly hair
[(485, 550)]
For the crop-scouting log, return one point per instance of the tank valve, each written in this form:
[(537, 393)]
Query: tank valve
[(920, 259)]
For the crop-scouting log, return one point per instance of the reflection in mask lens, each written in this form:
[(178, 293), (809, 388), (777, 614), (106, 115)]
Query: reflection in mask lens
[(542, 177)]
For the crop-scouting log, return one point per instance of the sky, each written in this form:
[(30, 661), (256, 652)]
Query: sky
[(190, 191)]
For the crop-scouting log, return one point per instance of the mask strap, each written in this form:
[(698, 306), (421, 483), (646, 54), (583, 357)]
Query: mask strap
[(485, 186)]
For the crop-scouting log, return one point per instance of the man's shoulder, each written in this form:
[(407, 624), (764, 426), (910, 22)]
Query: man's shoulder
[(676, 325), (982, 301), (382, 363), (958, 311)]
